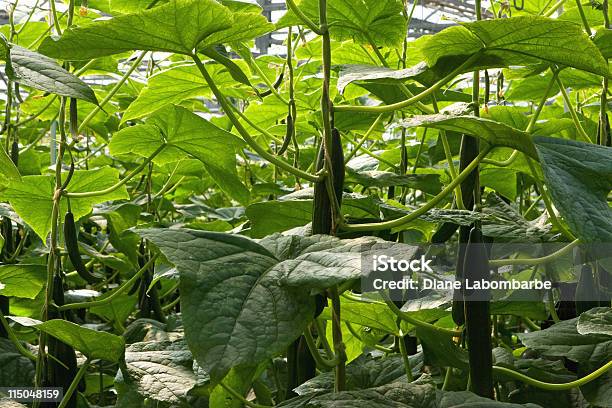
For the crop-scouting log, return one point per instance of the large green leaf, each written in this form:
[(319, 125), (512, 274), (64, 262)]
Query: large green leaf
[(490, 131), (175, 85), (596, 321), (32, 69), (562, 339), (370, 22), (184, 131), (32, 196), (603, 40), (22, 280), (578, 176), (160, 371), (228, 288), (229, 284), (93, 344), (178, 26), (17, 370), (516, 41)]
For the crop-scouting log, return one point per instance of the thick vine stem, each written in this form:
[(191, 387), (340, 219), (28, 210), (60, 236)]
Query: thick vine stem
[(535, 261), (398, 222), (227, 108), (11, 336), (416, 98), (553, 386)]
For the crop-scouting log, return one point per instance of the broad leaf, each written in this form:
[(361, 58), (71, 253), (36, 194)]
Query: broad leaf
[(32, 69), (22, 280), (175, 85), (228, 287), (93, 344), (32, 197), (160, 371), (517, 41), (578, 177), (378, 22), (161, 28), (492, 132), (17, 370), (596, 321), (187, 132)]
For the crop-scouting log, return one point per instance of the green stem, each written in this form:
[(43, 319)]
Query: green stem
[(118, 184), (414, 99), (405, 358), (532, 326), (369, 152), (11, 335), (554, 8), (321, 362), (585, 22), (352, 330), (339, 348), (307, 21), (535, 261), (548, 203), (112, 92), (553, 386), (378, 226), (363, 139), (229, 112), (263, 76), (241, 398), (74, 384), (321, 333), (572, 112), (416, 322), (56, 24), (128, 284)]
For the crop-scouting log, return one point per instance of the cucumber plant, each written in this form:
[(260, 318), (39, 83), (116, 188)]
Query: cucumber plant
[(197, 228)]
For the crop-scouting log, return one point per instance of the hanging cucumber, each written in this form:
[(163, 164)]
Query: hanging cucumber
[(15, 152), (72, 247), (322, 215), (477, 318), (62, 367), (468, 152)]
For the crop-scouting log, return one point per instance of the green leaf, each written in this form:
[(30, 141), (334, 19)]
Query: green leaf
[(22, 280), (32, 69), (17, 370), (32, 196), (365, 372), (378, 22), (603, 40), (7, 167), (175, 85), (228, 288), (162, 28), (492, 132), (429, 183), (562, 339), (578, 177), (596, 321), (185, 131), (245, 26), (516, 41), (375, 74), (93, 344), (160, 371)]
